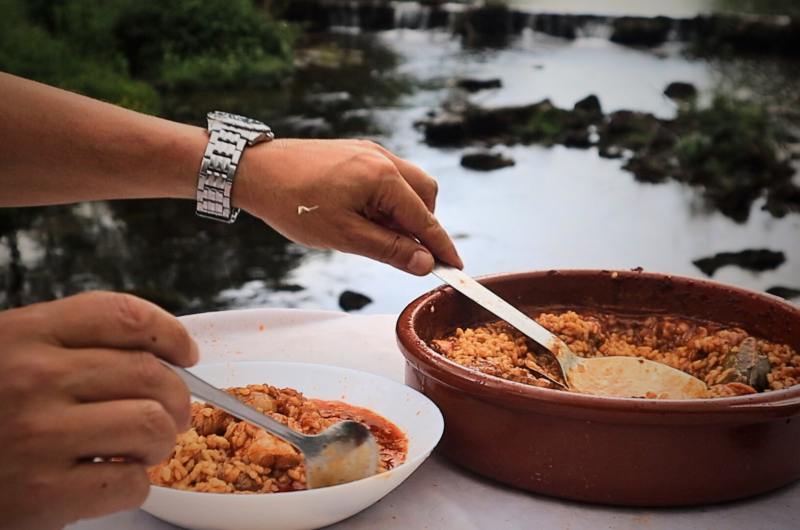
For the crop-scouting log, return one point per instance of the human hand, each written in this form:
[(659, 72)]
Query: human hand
[(80, 380), (348, 195)]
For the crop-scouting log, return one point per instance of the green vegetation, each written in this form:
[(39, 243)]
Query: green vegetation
[(546, 124), (765, 7), (128, 52), (725, 138)]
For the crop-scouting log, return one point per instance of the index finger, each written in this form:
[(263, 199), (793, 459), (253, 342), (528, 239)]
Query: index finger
[(120, 321), (423, 184), (410, 216)]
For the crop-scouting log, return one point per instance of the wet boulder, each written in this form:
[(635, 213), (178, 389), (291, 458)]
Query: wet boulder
[(789, 293), (488, 20), (589, 105), (680, 91), (578, 138), (564, 26), (646, 169), (475, 85), (504, 121), (628, 129), (375, 16), (540, 122), (641, 31), (607, 150), (353, 301), (486, 161), (757, 260), (748, 33), (783, 198), (444, 129)]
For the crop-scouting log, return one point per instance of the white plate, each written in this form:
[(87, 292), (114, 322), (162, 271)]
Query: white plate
[(412, 412)]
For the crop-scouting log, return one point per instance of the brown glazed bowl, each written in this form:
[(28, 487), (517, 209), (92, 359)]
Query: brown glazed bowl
[(633, 452)]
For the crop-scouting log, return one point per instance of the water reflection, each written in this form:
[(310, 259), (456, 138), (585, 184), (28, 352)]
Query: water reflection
[(156, 249)]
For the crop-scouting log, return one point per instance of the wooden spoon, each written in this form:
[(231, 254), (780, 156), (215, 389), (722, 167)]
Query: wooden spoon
[(617, 376)]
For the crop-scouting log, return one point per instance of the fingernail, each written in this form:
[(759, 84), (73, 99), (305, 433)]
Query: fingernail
[(421, 263)]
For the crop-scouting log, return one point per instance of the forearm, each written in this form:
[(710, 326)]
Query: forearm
[(59, 147)]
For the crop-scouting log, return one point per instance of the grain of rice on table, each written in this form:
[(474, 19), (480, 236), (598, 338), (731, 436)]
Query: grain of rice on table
[(220, 454), (698, 348)]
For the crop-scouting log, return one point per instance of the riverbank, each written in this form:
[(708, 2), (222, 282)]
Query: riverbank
[(708, 33)]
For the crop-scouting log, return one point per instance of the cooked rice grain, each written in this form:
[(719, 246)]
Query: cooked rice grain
[(697, 348), (219, 454)]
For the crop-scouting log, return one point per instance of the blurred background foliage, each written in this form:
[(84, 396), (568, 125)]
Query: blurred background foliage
[(765, 7), (130, 52)]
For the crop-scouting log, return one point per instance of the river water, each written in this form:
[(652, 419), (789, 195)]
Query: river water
[(555, 208)]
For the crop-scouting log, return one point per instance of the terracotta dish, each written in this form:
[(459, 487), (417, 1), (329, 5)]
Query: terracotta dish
[(619, 451)]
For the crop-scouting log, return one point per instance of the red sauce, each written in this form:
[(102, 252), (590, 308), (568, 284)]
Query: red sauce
[(392, 441)]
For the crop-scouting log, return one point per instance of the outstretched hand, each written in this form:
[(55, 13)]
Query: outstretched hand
[(86, 406), (348, 195)]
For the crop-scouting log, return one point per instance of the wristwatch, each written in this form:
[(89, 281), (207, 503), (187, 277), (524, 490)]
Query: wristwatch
[(229, 134)]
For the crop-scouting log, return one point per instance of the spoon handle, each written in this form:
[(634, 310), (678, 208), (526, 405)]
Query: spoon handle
[(469, 287), (234, 407)]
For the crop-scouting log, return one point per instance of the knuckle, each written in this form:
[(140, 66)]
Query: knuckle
[(154, 424), (29, 375), (18, 324), (38, 432), (368, 145), (147, 369), (392, 251), (128, 310), (373, 162), (430, 222)]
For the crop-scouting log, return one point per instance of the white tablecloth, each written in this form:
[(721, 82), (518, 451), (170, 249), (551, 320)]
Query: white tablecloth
[(438, 495)]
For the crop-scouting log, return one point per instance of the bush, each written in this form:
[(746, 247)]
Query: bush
[(726, 137), (29, 50), (124, 51), (184, 44), (209, 71)]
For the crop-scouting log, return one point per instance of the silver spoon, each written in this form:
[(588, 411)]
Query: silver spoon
[(344, 452), (617, 376)]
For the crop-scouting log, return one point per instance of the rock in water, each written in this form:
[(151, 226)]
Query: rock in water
[(352, 301)]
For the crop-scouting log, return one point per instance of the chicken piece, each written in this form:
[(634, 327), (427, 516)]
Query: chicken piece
[(268, 451), (750, 365), (258, 399), (207, 419)]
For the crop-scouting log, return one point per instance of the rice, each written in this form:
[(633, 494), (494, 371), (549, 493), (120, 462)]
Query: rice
[(698, 348), (220, 454)]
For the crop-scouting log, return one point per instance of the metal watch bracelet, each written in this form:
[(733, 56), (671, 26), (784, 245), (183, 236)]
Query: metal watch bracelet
[(220, 162)]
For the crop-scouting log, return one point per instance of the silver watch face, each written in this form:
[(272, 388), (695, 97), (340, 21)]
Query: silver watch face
[(234, 120)]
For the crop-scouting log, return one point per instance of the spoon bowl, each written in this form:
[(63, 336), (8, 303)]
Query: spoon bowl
[(615, 376)]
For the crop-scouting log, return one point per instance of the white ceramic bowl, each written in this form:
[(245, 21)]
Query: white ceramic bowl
[(412, 412)]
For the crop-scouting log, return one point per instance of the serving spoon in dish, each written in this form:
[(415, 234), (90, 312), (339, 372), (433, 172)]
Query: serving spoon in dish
[(616, 376), (344, 452)]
